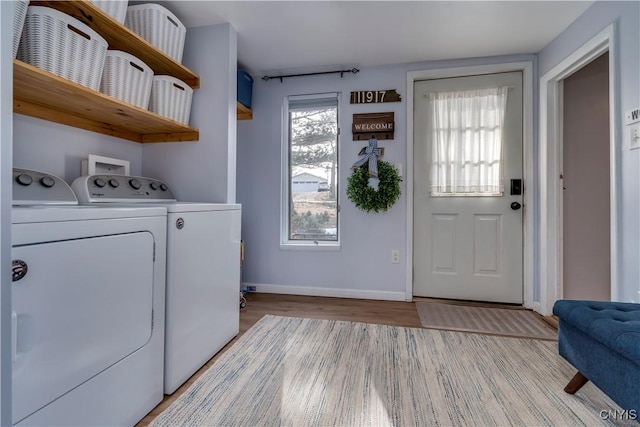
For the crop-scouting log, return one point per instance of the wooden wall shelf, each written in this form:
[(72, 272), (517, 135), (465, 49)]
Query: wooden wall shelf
[(243, 113), (40, 94), (122, 38)]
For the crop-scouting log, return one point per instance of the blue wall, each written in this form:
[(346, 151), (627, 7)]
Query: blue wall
[(6, 143), (60, 149), (362, 268), (626, 16), (204, 170)]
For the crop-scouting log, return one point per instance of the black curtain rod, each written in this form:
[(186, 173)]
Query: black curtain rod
[(353, 71)]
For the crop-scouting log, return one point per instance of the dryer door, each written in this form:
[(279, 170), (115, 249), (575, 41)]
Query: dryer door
[(81, 306)]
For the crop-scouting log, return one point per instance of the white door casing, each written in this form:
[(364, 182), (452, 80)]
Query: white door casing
[(550, 136), (468, 247)]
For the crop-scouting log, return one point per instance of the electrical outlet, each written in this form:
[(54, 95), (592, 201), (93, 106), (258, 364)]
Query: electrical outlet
[(634, 136), (395, 256), (251, 288)]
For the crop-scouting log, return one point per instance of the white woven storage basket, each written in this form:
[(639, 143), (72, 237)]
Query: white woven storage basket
[(159, 27), (117, 9), (18, 22), (127, 78), (62, 45), (171, 98)]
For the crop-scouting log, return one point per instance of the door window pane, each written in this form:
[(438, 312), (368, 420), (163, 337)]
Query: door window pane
[(466, 142)]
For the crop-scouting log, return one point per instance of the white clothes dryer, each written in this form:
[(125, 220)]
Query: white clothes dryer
[(203, 268), (88, 298)]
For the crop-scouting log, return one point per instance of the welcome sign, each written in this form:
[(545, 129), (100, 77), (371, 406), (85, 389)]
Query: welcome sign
[(378, 125)]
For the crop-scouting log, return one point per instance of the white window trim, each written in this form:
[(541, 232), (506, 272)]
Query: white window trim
[(285, 242)]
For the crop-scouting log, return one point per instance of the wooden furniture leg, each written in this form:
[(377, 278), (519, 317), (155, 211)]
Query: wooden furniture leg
[(576, 383)]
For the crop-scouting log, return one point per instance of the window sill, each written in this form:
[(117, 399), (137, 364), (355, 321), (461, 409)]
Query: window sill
[(310, 246)]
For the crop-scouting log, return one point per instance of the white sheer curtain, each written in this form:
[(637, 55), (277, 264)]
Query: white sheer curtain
[(466, 140)]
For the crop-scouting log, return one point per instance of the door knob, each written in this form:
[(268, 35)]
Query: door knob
[(515, 206)]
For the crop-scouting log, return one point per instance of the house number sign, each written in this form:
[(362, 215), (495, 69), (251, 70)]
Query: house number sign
[(375, 96)]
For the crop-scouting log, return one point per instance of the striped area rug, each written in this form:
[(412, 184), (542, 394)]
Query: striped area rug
[(486, 320), (308, 372)]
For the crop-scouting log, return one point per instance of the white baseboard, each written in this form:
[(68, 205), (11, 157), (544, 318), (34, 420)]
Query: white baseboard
[(536, 307), (327, 292)]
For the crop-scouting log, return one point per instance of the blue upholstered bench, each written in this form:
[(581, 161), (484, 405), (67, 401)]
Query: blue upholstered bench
[(602, 341)]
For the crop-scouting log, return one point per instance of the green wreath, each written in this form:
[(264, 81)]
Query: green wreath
[(366, 197)]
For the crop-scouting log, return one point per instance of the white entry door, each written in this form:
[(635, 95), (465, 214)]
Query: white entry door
[(467, 213)]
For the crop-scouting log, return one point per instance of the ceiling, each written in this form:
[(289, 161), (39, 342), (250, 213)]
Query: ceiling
[(304, 36)]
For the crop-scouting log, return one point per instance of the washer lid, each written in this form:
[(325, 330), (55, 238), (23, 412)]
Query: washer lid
[(34, 214), (182, 207)]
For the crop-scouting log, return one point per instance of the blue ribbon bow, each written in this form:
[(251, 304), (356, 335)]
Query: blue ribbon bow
[(370, 155)]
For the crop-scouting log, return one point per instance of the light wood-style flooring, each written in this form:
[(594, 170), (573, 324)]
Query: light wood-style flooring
[(393, 313)]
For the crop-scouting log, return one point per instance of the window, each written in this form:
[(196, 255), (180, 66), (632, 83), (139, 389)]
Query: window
[(466, 141), (310, 171)]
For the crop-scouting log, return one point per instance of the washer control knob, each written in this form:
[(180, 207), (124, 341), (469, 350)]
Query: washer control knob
[(47, 181), (154, 185), (114, 183), (135, 184), (24, 179), (99, 182), (164, 187)]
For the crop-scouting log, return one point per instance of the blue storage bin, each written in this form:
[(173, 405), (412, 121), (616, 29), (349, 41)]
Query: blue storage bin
[(245, 87)]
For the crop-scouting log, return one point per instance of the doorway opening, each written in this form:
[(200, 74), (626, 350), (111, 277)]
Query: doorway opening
[(585, 177)]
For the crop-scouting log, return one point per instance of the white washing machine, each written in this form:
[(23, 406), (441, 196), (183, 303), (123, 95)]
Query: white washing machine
[(203, 268), (88, 298)]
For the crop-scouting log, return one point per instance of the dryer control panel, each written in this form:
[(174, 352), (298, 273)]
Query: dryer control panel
[(38, 188), (121, 188)]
